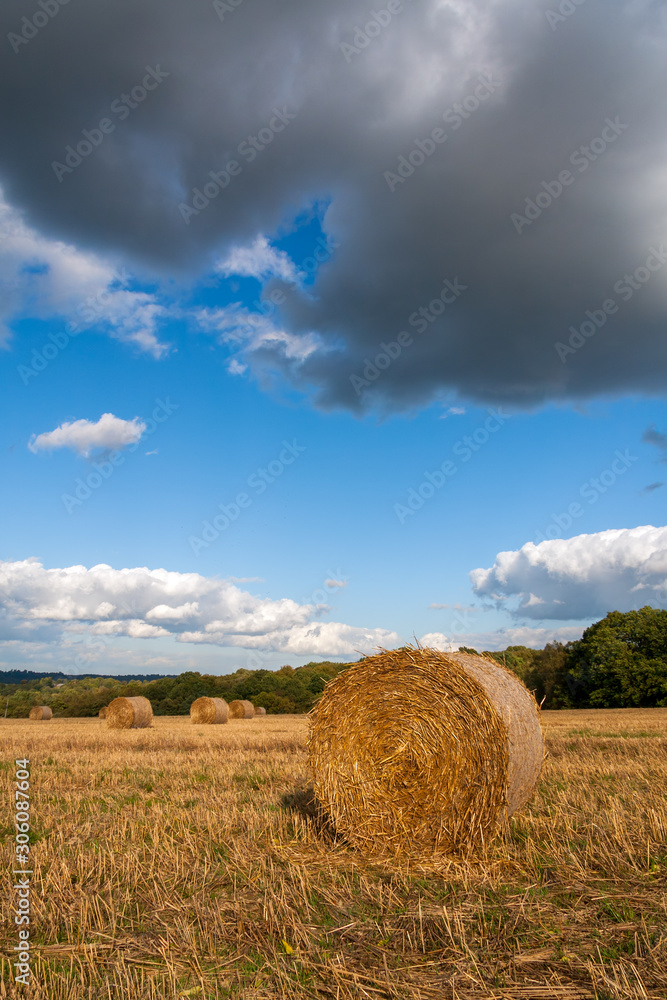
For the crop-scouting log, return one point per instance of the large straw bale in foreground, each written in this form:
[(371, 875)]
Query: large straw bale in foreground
[(40, 713), (259, 710), (129, 713), (241, 710), (415, 751), (209, 711)]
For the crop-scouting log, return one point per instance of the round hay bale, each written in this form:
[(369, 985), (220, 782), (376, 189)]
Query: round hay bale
[(241, 710), (259, 710), (102, 714), (209, 711), (40, 713), (129, 713), (419, 752)]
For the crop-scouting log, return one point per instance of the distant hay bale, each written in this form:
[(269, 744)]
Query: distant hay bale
[(241, 710), (102, 714), (259, 710), (420, 752), (40, 713), (129, 713), (209, 711)]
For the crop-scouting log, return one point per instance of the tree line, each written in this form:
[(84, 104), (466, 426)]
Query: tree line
[(292, 690), (619, 662)]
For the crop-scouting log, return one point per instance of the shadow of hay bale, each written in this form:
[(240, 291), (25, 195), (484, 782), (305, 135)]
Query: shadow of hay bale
[(302, 802)]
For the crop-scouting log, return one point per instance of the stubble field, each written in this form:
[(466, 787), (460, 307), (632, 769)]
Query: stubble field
[(187, 861)]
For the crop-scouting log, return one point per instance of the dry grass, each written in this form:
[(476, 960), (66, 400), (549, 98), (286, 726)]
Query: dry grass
[(186, 861)]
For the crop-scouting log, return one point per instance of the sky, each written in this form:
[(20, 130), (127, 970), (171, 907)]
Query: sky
[(326, 328)]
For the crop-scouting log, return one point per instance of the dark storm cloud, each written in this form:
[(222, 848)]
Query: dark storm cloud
[(562, 277)]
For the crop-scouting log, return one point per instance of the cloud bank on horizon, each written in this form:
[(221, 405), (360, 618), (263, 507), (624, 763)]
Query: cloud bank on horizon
[(59, 605), (525, 159), (565, 579)]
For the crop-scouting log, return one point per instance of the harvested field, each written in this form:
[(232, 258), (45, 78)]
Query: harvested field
[(187, 861)]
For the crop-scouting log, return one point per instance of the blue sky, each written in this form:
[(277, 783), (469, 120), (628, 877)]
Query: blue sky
[(339, 511), (244, 502)]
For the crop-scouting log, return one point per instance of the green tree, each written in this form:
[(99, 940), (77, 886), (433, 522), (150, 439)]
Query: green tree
[(546, 676), (519, 659), (621, 661)]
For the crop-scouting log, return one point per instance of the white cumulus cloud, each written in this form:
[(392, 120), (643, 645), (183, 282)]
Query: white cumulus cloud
[(109, 433), (438, 640), (259, 260), (142, 603), (260, 343), (580, 578), (254, 332)]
